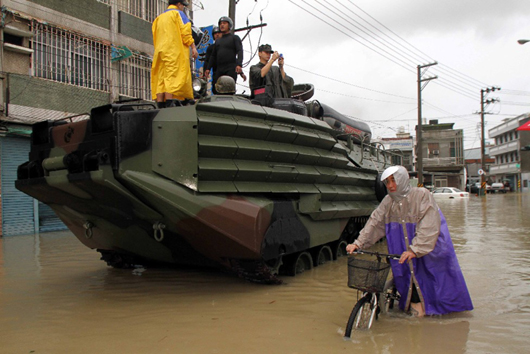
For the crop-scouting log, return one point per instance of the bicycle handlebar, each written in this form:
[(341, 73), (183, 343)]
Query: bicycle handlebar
[(378, 254)]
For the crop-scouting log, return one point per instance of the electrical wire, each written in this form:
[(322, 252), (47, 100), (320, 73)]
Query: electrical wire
[(454, 80)]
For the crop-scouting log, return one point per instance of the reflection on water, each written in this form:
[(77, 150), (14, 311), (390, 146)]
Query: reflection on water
[(56, 296)]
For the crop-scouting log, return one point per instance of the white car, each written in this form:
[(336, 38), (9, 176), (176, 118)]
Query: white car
[(497, 187), (449, 193)]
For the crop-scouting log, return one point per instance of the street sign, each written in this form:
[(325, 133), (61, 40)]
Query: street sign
[(480, 171)]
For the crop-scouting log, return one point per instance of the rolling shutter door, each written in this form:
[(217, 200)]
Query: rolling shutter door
[(48, 220), (17, 207)]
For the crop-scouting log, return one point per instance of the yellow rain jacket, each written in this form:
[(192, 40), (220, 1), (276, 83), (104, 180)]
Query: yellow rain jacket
[(171, 62)]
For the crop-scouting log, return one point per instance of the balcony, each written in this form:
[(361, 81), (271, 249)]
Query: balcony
[(443, 162), (504, 148), (505, 168), (510, 125)]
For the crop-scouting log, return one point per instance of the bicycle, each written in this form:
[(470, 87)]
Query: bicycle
[(370, 277)]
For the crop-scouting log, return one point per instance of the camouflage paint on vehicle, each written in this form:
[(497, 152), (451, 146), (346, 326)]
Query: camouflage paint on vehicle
[(222, 182)]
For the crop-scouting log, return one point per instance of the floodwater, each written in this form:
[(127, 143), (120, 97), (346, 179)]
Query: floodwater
[(56, 296)]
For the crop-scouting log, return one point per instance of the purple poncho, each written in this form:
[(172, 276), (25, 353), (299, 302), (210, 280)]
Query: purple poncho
[(411, 219)]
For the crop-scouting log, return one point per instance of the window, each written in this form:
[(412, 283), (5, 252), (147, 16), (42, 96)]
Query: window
[(144, 9), (13, 39), (68, 57), (452, 149), (434, 150), (440, 182), (135, 77)]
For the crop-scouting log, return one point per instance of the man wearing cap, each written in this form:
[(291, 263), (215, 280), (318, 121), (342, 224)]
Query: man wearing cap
[(272, 78), (427, 275), (170, 72), (227, 54)]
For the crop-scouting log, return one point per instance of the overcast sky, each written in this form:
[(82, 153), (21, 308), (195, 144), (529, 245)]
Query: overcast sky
[(362, 56)]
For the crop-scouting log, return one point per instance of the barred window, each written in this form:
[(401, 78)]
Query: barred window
[(144, 9), (68, 57), (135, 77)]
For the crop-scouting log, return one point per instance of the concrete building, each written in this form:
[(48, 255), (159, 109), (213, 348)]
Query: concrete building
[(403, 148), (511, 164), (60, 58), (443, 155)]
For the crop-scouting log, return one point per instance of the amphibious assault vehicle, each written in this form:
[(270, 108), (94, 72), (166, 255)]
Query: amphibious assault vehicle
[(259, 190)]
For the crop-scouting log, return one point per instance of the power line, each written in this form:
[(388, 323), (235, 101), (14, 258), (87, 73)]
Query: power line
[(346, 34), (454, 78), (515, 92), (363, 98), (349, 83)]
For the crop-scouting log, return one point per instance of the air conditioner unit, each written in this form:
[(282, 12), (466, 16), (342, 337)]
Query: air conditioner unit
[(436, 152)]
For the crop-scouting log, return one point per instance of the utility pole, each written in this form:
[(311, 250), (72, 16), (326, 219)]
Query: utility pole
[(232, 14), (232, 11), (419, 139), (483, 104)]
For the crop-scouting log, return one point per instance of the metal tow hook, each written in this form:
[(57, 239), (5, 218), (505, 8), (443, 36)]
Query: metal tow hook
[(88, 229), (158, 226)]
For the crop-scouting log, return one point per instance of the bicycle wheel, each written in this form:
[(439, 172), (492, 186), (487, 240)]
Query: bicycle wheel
[(388, 296), (361, 315), (367, 313)]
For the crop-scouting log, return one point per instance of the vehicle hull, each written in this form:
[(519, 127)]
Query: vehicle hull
[(201, 185)]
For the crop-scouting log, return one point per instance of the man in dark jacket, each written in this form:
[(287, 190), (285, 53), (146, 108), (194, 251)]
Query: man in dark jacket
[(227, 55), (216, 33), (270, 79)]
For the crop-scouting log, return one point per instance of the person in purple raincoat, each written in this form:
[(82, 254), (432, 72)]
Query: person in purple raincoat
[(427, 275)]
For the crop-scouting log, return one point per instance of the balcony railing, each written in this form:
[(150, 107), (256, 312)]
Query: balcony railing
[(504, 148), (504, 128), (505, 168), (443, 161)]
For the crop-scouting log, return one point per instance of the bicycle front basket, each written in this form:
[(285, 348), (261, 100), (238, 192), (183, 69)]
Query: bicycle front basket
[(367, 275)]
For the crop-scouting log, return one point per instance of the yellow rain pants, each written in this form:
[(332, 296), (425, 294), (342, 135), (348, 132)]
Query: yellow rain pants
[(171, 62)]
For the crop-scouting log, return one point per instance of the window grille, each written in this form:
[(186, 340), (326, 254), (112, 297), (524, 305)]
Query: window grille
[(68, 57), (144, 9), (135, 77)]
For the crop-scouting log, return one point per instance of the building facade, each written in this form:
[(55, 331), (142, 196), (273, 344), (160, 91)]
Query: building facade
[(402, 147), (512, 165), (443, 155), (60, 58)]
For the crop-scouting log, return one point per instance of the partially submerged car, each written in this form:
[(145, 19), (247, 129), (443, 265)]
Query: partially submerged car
[(449, 193)]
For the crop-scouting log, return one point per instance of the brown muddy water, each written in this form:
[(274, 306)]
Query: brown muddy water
[(56, 296)]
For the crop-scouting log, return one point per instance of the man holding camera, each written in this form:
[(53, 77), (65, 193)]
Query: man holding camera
[(268, 78)]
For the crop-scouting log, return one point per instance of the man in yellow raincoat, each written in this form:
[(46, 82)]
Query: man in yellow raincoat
[(170, 74)]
